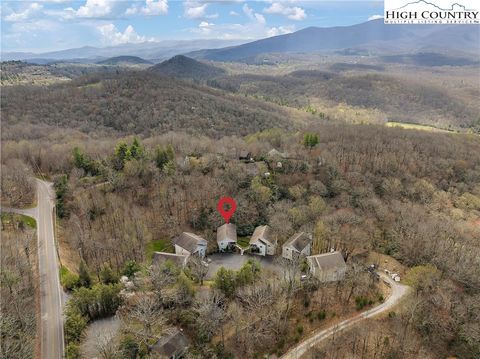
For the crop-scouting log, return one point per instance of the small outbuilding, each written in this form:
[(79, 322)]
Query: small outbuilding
[(189, 243), (245, 156), (298, 245), (172, 346), (160, 258), (227, 237), (327, 267), (262, 241)]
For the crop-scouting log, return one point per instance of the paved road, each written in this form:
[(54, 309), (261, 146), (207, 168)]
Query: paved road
[(51, 306), (398, 292)]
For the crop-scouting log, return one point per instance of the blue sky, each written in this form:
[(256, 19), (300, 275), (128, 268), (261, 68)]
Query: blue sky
[(47, 25)]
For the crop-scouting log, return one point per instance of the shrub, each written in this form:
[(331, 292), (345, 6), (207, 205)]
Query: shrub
[(68, 280), (108, 276), (361, 302), (321, 315), (75, 323), (130, 268), (72, 351), (129, 347), (299, 329)]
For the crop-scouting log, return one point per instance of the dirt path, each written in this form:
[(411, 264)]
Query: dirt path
[(398, 292)]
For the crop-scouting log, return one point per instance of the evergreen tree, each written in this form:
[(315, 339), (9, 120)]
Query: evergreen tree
[(84, 277)]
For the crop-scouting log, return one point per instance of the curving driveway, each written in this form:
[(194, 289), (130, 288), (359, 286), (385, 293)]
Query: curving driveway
[(398, 292), (51, 304)]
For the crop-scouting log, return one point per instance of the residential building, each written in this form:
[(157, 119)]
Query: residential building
[(189, 243), (263, 242), (159, 258), (227, 237), (299, 244), (172, 346), (327, 267)]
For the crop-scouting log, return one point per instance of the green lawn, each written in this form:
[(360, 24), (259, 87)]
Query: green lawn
[(28, 221), (243, 242), (159, 245)]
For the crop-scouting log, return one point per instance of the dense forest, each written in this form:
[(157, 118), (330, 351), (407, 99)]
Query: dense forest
[(18, 278), (412, 195), (141, 103)]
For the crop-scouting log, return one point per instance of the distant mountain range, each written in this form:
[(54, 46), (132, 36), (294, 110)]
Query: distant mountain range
[(152, 51), (369, 37), (124, 60), (372, 37)]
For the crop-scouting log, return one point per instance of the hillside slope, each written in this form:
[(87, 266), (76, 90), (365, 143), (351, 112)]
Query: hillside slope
[(185, 67), (141, 102)]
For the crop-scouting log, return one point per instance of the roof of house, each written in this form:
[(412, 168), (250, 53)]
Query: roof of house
[(245, 154), (168, 345), (189, 241), (299, 241), (327, 261), (160, 258), (263, 234), (227, 231), (275, 153)]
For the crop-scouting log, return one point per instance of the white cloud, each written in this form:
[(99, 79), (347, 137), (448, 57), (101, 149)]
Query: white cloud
[(112, 36), (281, 30), (256, 27), (233, 13), (195, 12), (197, 9), (375, 17), (293, 13), (29, 12), (94, 8), (151, 8)]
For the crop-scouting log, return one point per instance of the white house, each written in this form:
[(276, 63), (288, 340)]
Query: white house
[(263, 242), (327, 267), (299, 245), (226, 237), (189, 243)]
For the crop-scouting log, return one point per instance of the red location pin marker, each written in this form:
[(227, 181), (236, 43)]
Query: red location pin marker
[(226, 214)]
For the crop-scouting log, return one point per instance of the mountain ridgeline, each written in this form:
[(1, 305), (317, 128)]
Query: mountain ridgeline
[(184, 67), (372, 36), (124, 61)]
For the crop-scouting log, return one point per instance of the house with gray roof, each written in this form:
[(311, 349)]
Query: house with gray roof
[(172, 346), (189, 243), (300, 244), (327, 267), (227, 237), (160, 258), (263, 241)]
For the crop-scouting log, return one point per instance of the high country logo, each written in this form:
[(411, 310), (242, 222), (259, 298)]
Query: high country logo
[(434, 12)]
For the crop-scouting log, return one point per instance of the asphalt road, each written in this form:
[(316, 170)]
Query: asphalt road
[(51, 305), (398, 292)]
